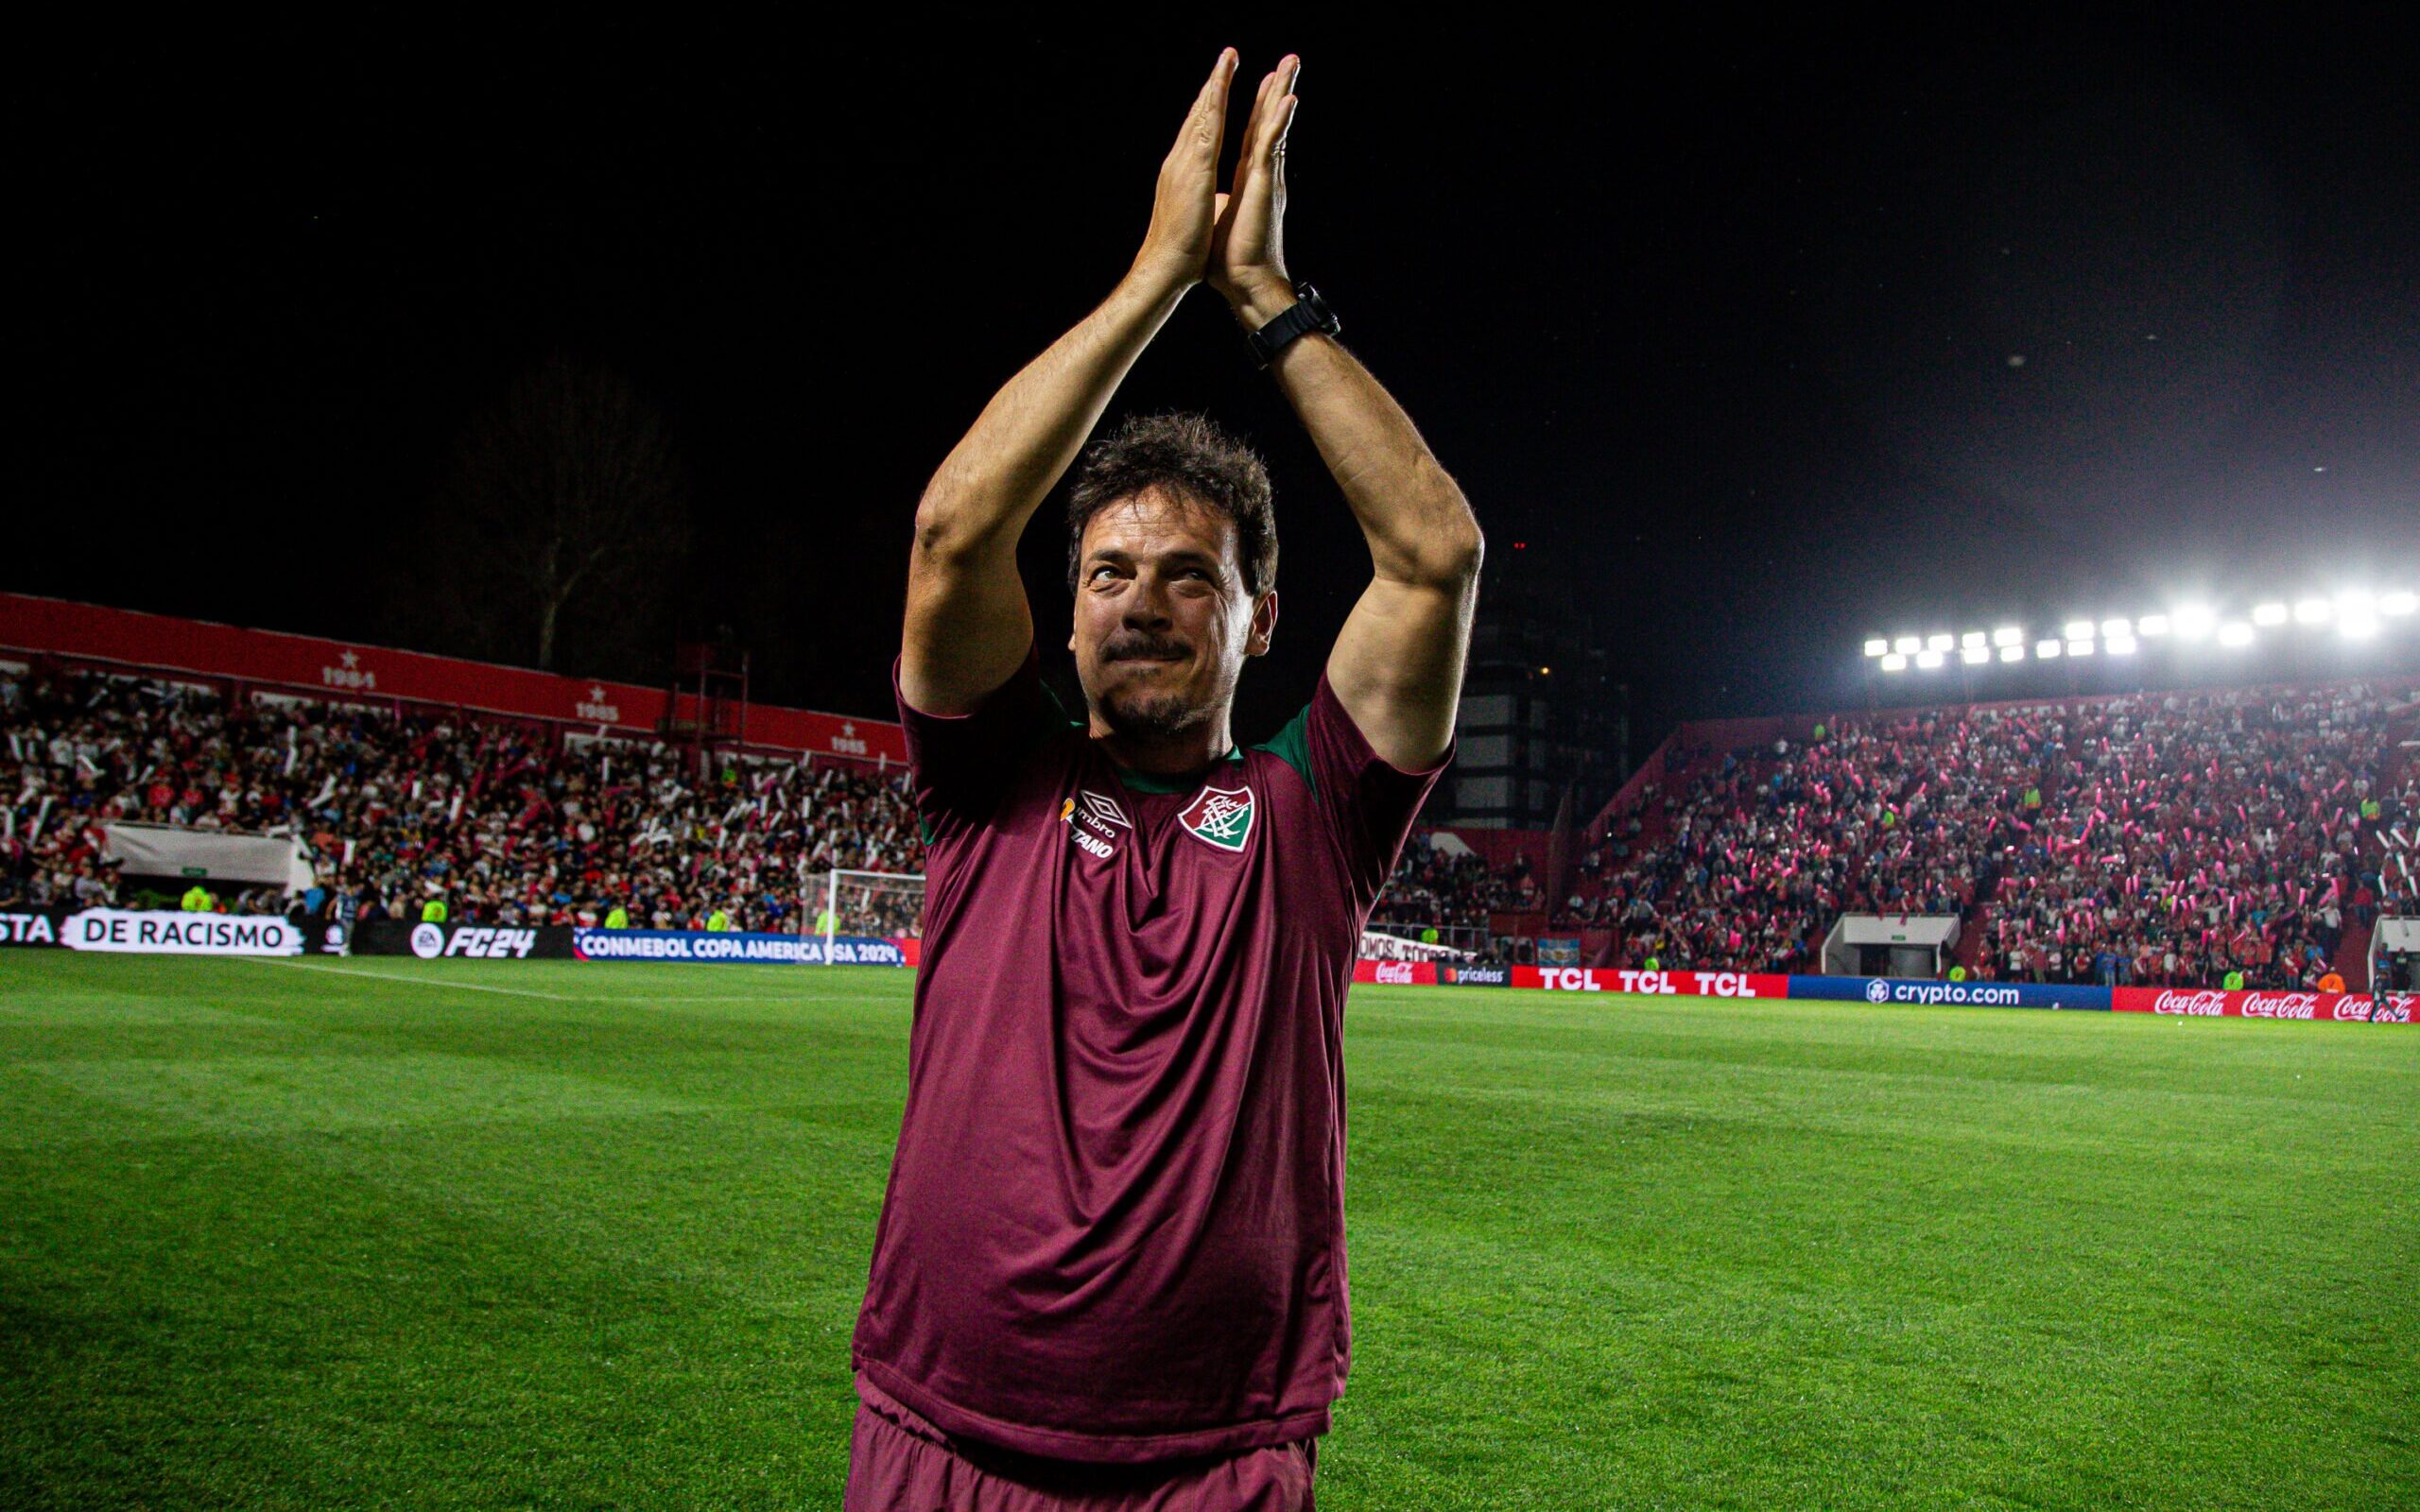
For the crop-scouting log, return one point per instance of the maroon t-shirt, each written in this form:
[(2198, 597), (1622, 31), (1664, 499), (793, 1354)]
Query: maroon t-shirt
[(1115, 1229)]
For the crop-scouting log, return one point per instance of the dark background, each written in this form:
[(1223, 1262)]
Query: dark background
[(1715, 323)]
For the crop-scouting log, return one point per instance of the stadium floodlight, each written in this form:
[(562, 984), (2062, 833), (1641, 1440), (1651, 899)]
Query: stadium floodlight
[(2008, 635), (1929, 659), (2357, 626), (2151, 624), (1907, 644), (1975, 656), (2357, 601), (1877, 645), (2196, 622), (2120, 645), (1971, 641), (1895, 662), (2011, 653), (2398, 603), (2111, 629), (1938, 643), (2079, 648), (2313, 612), (2234, 634), (2047, 651), (2269, 614), (2079, 629)]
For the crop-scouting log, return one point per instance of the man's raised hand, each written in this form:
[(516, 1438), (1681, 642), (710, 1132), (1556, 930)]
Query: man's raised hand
[(1248, 249), (1185, 210)]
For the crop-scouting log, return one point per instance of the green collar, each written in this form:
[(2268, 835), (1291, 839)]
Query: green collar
[(1154, 782)]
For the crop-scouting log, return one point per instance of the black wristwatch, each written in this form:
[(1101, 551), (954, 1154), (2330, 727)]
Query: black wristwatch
[(1306, 313)]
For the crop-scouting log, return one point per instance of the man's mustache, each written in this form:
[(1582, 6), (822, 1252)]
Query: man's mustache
[(1142, 647)]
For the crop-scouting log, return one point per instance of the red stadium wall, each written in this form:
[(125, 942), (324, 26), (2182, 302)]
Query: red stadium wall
[(343, 670)]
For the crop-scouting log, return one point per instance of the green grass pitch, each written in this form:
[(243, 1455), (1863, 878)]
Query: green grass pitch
[(395, 1234)]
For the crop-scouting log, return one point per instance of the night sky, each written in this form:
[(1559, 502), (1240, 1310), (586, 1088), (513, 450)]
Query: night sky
[(1763, 339)]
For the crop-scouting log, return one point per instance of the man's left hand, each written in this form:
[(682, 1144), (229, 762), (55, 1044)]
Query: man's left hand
[(1248, 248)]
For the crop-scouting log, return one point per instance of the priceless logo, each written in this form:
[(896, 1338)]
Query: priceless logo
[(1220, 817)]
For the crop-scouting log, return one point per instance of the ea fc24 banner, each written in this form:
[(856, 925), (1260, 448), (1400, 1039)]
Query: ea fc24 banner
[(2211, 1002), (181, 934)]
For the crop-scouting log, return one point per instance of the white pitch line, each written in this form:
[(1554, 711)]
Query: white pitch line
[(410, 981), (526, 992)]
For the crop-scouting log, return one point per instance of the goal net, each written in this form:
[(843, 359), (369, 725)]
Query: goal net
[(859, 905)]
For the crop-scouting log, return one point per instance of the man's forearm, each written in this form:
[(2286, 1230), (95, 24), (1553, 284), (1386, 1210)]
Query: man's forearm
[(1000, 472), (1419, 526)]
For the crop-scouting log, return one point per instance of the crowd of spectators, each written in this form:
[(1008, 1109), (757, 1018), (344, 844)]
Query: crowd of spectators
[(1452, 890), (2154, 839), (1762, 850), (503, 823), (2200, 835)]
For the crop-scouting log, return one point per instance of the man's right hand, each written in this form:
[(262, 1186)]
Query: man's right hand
[(1185, 209)]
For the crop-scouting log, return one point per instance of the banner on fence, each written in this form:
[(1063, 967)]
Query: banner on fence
[(475, 942), (38, 927), (349, 670), (1956, 994), (1685, 984), (733, 946), (1558, 949), (1397, 973), (181, 934), (1454, 975), (2211, 1002)]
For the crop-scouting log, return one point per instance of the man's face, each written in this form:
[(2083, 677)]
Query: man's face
[(1163, 619)]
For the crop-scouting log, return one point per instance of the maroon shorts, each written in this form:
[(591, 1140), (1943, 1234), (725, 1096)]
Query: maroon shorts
[(898, 1462)]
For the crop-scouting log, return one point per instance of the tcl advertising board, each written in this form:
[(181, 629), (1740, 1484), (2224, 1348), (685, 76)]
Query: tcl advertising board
[(2211, 1002), (1683, 984)]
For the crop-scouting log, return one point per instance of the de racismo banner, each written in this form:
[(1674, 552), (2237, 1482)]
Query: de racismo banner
[(180, 934)]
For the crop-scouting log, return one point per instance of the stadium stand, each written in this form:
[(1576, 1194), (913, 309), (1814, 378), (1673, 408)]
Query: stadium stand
[(505, 823), (2164, 838), (2157, 839)]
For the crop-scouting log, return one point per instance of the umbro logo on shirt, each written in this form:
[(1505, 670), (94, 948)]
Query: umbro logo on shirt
[(1092, 821), (1219, 816)]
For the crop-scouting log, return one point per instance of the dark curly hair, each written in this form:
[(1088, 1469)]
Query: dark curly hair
[(1189, 457)]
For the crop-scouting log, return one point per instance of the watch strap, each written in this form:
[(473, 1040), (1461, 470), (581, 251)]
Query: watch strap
[(1307, 313)]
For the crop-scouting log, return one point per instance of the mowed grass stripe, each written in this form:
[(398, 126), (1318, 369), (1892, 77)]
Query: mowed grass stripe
[(301, 1240)]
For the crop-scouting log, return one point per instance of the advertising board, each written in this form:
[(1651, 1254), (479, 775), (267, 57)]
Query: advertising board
[(30, 925), (476, 942), (163, 933), (1453, 976), (1682, 984), (1951, 994), (1397, 973), (2326, 1008), (732, 946)]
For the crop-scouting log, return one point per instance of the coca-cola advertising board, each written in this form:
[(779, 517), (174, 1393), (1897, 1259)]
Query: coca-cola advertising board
[(2326, 1008)]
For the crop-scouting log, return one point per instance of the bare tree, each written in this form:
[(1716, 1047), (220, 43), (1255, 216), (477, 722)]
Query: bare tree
[(566, 505)]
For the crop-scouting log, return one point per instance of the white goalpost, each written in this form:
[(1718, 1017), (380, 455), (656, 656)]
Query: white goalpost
[(880, 904)]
